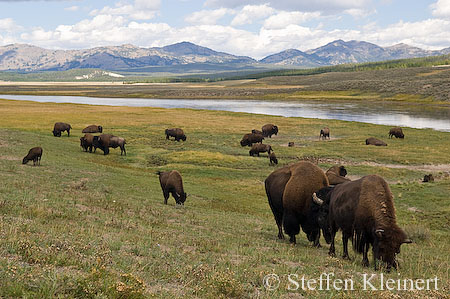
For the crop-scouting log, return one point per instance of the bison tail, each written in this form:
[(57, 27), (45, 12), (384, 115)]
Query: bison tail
[(158, 172)]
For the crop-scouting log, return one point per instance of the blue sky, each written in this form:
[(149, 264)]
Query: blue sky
[(254, 28)]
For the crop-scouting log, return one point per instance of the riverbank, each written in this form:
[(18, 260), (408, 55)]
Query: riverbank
[(85, 224)]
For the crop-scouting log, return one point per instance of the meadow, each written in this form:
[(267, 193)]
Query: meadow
[(86, 225)]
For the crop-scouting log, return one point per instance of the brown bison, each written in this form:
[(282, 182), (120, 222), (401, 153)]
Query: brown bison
[(324, 133), (177, 133), (105, 141), (269, 129), (256, 132), (375, 141), (272, 158), (289, 191), (336, 175), (364, 210), (93, 129), (291, 144), (251, 138), (61, 127), (428, 178), (171, 182), (34, 154), (87, 141), (259, 148), (397, 132)]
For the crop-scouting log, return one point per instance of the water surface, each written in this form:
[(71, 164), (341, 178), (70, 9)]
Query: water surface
[(385, 113)]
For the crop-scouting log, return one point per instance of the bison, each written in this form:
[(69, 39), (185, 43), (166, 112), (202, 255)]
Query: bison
[(291, 144), (428, 178), (177, 133), (336, 175), (93, 129), (364, 210), (375, 141), (257, 132), (269, 129), (251, 138), (171, 182), (289, 192), (87, 141), (397, 132), (61, 127), (272, 158), (105, 141), (324, 133), (34, 154), (259, 148)]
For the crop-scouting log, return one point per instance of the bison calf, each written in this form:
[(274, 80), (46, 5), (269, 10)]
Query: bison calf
[(272, 158), (171, 182), (177, 133), (34, 154), (428, 178), (61, 127)]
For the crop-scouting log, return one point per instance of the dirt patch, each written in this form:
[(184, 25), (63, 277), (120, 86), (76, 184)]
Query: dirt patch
[(9, 158)]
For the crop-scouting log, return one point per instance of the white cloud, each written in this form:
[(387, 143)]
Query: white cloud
[(284, 19), (8, 25), (207, 17), (72, 8), (251, 13), (441, 8), (138, 10)]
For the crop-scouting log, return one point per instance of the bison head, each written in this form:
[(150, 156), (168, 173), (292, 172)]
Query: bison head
[(320, 210), (56, 133), (387, 245), (342, 171), (245, 142), (25, 160), (183, 137)]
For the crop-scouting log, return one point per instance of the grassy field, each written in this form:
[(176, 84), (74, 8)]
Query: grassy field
[(92, 226)]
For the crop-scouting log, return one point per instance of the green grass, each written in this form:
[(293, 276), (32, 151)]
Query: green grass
[(87, 225)]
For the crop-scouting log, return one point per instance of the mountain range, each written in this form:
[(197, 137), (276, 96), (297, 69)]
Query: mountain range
[(28, 58)]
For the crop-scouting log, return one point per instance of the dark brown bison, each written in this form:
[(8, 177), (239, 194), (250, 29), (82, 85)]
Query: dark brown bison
[(364, 210), (87, 141), (105, 141), (61, 127), (336, 175), (375, 141), (428, 178), (291, 144), (272, 158), (289, 191), (324, 133), (251, 138), (397, 132), (269, 129), (171, 182), (34, 154), (93, 129), (259, 148), (256, 132), (177, 133)]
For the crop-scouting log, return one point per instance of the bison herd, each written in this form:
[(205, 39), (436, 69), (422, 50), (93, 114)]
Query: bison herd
[(301, 195)]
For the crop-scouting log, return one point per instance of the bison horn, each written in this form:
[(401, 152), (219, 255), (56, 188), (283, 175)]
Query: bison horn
[(379, 232), (317, 200), (407, 241)]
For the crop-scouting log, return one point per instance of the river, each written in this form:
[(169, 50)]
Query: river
[(384, 113)]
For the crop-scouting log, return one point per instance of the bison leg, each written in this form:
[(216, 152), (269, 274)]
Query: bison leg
[(365, 260), (166, 196), (332, 251), (68, 133), (345, 237), (90, 148), (317, 241), (291, 226)]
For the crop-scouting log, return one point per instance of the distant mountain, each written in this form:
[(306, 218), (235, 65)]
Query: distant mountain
[(28, 58)]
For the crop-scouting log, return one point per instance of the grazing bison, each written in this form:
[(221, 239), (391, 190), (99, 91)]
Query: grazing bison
[(428, 178), (259, 148), (397, 132), (171, 182), (251, 138), (375, 141), (61, 127), (93, 129), (364, 210), (177, 133), (324, 133), (105, 141), (256, 132), (34, 154), (272, 158), (87, 141), (269, 129), (289, 191), (336, 175)]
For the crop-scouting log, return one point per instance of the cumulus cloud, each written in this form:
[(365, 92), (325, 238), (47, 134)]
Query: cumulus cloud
[(441, 8), (8, 25), (284, 19), (138, 10), (251, 13), (208, 17)]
